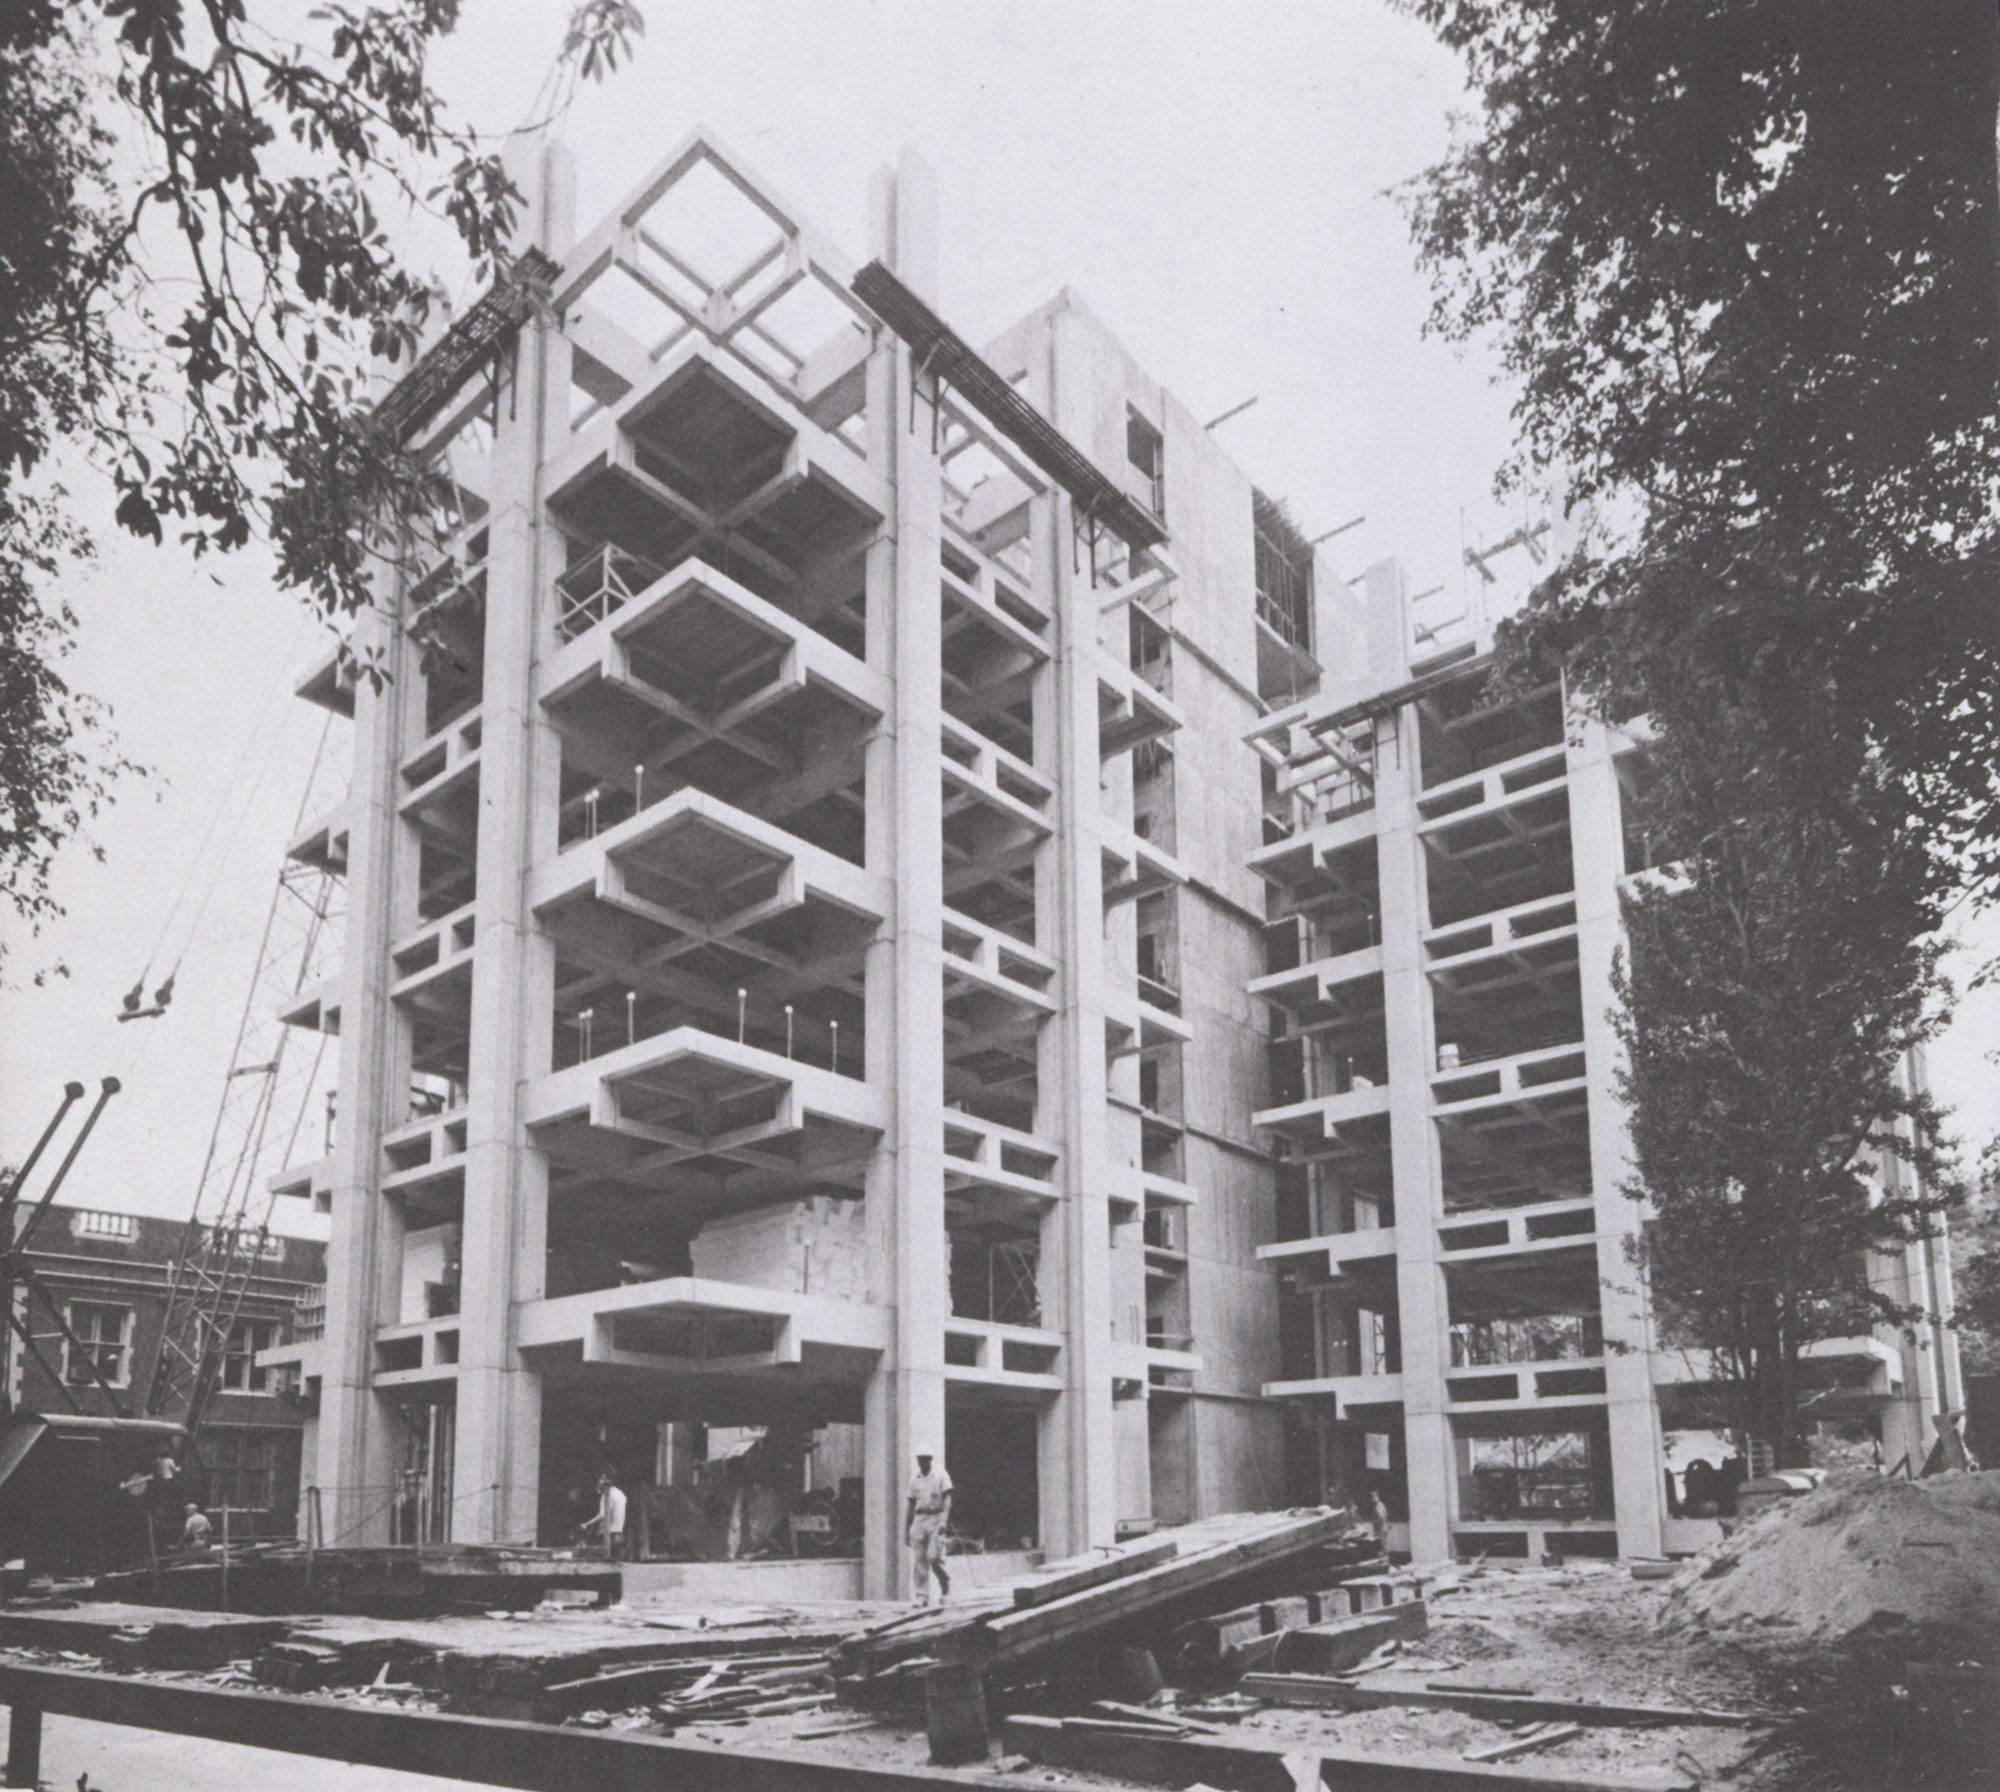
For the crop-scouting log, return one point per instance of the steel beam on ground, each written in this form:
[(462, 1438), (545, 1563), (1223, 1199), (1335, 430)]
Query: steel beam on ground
[(485, 1750)]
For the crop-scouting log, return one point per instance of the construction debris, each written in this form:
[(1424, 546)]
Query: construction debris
[(1500, 1707), (1142, 1752), (1865, 1553), (389, 1582)]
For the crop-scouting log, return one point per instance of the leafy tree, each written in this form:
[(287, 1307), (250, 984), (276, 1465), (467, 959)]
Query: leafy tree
[(1976, 1263), (1775, 983), (1739, 255), (195, 273)]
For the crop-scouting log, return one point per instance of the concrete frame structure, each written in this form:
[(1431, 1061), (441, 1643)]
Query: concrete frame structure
[(1444, 869), (894, 903), (774, 939)]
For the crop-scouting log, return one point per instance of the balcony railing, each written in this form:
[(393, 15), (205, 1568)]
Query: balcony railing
[(604, 582)]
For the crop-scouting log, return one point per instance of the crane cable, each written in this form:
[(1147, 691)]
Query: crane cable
[(261, 739)]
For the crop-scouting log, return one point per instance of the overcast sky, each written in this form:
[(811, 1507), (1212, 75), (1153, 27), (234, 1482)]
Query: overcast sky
[(1210, 177)]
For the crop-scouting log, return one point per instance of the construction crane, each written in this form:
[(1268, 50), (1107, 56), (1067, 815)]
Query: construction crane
[(17, 1268), (266, 1100), (267, 1093)]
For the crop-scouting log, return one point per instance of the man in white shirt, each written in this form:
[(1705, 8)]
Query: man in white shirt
[(610, 1520), (924, 1526)]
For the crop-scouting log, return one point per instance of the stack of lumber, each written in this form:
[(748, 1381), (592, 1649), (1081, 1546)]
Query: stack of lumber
[(551, 1687), (1222, 1645), (1136, 1594)]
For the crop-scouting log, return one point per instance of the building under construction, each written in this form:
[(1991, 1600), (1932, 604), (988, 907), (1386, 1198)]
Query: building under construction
[(893, 903)]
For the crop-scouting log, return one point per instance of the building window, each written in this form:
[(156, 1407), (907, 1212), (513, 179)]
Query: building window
[(101, 1347), (239, 1368), (1145, 450), (88, 1222), (241, 1470)]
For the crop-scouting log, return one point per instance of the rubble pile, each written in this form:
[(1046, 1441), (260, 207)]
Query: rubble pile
[(1863, 1555)]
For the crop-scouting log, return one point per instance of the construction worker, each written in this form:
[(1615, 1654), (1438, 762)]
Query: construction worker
[(610, 1520), (195, 1533), (925, 1523)]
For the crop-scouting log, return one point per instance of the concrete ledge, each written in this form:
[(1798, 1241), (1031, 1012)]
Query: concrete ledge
[(825, 1578)]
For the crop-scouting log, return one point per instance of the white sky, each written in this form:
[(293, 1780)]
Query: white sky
[(1211, 178)]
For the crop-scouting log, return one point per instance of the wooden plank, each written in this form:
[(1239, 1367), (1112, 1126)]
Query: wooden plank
[(623, 1688), (1257, 1765), (1092, 1574), (1344, 1695), (1328, 1648), (1547, 1737), (1020, 1633), (490, 1751)]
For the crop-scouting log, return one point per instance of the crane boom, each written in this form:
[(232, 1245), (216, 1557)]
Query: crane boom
[(266, 1099)]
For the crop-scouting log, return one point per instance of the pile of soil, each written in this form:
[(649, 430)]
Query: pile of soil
[(1464, 1639), (1864, 1555)]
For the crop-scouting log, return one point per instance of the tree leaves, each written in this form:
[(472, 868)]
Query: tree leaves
[(1739, 255), (235, 410)]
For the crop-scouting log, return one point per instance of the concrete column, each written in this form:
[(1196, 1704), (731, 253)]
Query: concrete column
[(1422, 1312), (1597, 847), (1079, 1452), (357, 1456), (496, 1468), (905, 1398)]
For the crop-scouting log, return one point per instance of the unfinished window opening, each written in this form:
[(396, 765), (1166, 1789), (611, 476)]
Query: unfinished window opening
[(1364, 1461), (994, 1273), (430, 1271), (1146, 454), (421, 1506), (992, 1451), (1336, 905), (1516, 1153), (1353, 1188), (707, 1476), (1326, 781), (1526, 999), (1332, 1046), (989, 876), (1169, 1314), (817, 1017), (1361, 1333), (1514, 1466), (447, 621), (1647, 843), (987, 678), (1525, 1309), (593, 387), (1159, 950), (1461, 729), (1284, 586), (1500, 859), (1154, 815)]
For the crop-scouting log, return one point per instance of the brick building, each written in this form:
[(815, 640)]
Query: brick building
[(109, 1273)]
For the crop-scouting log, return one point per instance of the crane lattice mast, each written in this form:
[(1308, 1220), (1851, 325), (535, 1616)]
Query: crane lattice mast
[(267, 1100)]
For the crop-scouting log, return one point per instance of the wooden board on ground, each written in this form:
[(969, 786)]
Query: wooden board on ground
[(1330, 1648), (1259, 1765), (1061, 1579), (1345, 1695), (1257, 1540)]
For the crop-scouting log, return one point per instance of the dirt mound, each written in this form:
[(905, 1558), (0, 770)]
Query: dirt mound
[(1465, 1639), (1861, 1555)]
